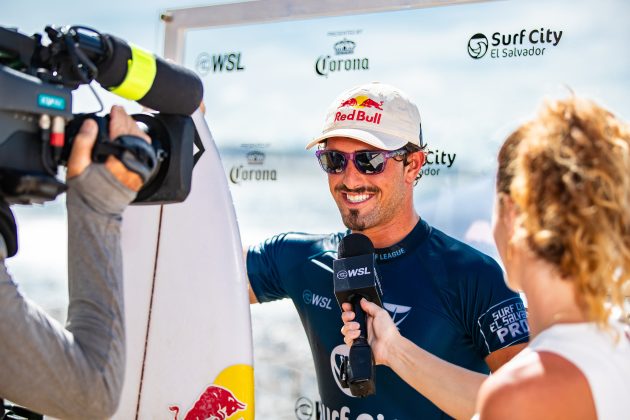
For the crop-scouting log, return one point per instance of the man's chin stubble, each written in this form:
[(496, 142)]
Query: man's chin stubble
[(353, 222)]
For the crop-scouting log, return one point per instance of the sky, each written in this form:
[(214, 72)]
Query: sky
[(133, 20)]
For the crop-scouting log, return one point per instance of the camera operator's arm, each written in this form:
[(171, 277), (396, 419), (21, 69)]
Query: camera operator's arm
[(76, 372)]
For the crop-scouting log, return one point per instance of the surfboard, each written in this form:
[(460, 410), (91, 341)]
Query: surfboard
[(189, 342)]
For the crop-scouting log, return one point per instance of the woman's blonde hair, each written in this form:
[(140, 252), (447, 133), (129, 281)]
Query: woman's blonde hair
[(568, 171)]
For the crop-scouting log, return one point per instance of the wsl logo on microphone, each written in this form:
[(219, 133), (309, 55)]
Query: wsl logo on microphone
[(355, 272)]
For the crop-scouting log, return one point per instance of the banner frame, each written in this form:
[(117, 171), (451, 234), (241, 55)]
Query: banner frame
[(178, 21)]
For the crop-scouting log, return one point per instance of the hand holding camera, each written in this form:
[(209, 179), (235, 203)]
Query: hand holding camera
[(81, 155)]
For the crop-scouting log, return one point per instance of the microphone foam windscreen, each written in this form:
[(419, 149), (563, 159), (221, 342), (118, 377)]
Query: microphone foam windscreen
[(355, 244)]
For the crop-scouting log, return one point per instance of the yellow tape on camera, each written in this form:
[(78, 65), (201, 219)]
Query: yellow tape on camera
[(141, 71)]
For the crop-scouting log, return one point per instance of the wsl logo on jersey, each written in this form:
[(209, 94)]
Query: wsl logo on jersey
[(342, 61), (319, 301), (521, 43)]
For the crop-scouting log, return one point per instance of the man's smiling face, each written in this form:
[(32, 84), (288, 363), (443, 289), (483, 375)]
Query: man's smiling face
[(366, 201)]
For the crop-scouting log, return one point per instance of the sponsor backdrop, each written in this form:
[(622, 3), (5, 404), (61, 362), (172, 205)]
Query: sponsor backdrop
[(476, 71)]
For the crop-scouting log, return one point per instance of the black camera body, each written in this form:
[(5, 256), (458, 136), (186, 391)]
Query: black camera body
[(37, 126)]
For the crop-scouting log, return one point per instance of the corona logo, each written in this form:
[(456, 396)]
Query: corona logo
[(345, 46), (255, 157)]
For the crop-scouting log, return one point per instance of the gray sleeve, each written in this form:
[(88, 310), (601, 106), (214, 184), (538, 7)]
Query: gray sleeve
[(77, 371)]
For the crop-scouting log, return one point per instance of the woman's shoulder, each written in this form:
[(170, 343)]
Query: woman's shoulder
[(536, 385)]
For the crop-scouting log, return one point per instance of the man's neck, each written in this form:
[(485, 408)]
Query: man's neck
[(392, 232)]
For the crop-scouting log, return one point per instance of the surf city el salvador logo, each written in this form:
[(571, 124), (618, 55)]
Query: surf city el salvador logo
[(477, 46), (523, 43)]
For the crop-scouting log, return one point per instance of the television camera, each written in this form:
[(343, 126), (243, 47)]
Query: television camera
[(37, 127)]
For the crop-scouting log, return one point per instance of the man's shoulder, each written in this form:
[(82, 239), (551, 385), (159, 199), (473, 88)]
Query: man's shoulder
[(301, 243), (458, 254), (325, 240)]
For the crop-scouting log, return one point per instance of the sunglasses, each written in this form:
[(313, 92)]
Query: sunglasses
[(368, 162)]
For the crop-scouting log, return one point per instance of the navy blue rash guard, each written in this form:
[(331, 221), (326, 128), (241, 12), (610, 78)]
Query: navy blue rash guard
[(443, 295)]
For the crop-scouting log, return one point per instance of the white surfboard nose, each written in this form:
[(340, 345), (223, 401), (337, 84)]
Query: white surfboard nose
[(186, 299)]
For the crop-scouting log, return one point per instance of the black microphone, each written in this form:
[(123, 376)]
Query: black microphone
[(355, 277), (136, 74)]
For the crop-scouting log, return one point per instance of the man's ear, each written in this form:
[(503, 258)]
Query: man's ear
[(415, 160)]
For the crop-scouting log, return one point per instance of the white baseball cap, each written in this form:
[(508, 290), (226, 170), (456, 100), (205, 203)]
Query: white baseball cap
[(374, 113)]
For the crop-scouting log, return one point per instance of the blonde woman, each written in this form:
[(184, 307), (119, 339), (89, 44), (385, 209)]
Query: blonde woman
[(562, 229)]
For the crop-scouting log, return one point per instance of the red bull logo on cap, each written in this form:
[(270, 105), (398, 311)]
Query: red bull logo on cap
[(358, 114), (362, 102), (216, 403)]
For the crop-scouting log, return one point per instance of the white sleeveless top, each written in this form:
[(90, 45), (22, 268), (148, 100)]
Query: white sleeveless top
[(604, 362)]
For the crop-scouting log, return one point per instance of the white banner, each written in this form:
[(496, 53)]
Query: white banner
[(475, 71)]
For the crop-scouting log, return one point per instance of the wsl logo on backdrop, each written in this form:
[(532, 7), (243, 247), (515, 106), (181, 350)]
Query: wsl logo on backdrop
[(343, 59), (219, 63), (523, 43)]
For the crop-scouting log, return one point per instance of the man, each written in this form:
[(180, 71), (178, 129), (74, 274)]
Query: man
[(76, 372), (444, 296)]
